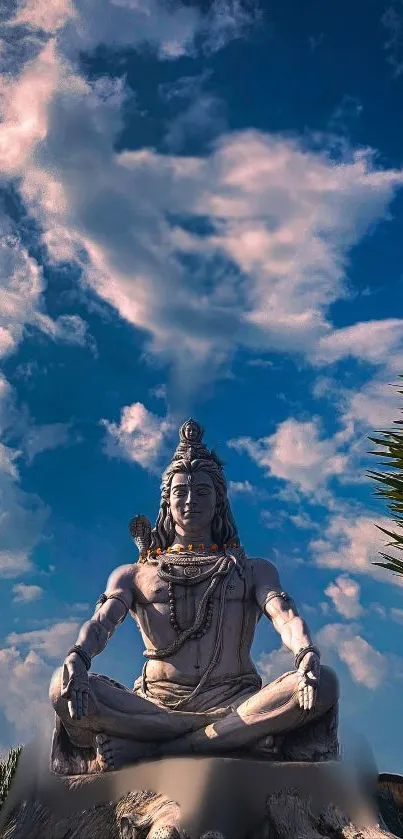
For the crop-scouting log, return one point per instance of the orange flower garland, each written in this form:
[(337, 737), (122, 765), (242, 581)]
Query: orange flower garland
[(180, 548)]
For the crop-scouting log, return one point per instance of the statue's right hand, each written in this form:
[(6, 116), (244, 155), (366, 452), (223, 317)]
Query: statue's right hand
[(75, 686)]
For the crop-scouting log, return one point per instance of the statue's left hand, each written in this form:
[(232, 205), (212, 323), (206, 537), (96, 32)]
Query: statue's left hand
[(308, 679), (75, 686)]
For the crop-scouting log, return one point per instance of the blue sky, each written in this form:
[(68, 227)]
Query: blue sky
[(201, 210)]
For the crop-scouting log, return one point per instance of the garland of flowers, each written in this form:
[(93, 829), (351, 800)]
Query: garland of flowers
[(177, 549)]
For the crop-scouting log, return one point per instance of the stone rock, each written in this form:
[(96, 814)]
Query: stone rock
[(390, 801), (249, 799)]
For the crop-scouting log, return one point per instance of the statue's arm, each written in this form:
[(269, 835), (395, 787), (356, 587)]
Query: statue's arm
[(112, 608), (279, 606)]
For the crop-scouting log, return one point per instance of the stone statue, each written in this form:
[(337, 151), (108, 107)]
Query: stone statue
[(196, 598)]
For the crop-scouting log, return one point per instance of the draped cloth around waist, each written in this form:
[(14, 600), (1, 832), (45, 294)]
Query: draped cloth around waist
[(216, 694)]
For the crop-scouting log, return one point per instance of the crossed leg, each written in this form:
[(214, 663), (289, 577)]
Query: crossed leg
[(123, 726), (273, 710), (126, 727)]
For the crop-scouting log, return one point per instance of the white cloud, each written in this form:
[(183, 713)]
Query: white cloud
[(21, 291), (41, 438), (265, 285), (345, 594), (203, 119), (378, 342), (367, 665), (25, 101), (52, 641), (46, 15), (272, 665), (7, 461), (202, 115), (283, 215), (7, 406), (270, 519), (25, 701), (303, 521), (22, 518), (22, 515), (375, 406), (392, 22), (159, 392), (21, 288), (241, 488), (364, 411), (170, 30), (71, 329), (14, 562), (260, 362), (396, 615), (229, 20), (379, 610), (296, 453), (26, 593), (80, 607), (352, 544), (138, 437), (26, 671)]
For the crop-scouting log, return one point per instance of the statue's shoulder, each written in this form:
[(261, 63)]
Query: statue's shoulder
[(122, 578), (264, 571)]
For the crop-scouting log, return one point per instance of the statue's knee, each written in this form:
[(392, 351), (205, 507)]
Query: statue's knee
[(55, 689), (329, 687)]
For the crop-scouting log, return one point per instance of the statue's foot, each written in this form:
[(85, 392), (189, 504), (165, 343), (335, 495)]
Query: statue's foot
[(115, 752)]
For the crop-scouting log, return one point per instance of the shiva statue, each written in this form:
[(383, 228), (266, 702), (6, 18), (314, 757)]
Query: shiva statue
[(196, 598)]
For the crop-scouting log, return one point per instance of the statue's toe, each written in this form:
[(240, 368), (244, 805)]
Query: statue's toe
[(105, 754)]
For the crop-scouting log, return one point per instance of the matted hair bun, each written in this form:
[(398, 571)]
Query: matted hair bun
[(191, 446)]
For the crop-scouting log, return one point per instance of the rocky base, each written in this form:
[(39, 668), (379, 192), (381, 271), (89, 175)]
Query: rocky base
[(236, 799)]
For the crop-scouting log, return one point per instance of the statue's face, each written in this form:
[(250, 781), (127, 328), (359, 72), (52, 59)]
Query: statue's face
[(192, 500), (191, 433)]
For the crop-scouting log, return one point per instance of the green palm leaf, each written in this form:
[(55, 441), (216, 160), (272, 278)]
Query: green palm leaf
[(390, 487), (7, 772)]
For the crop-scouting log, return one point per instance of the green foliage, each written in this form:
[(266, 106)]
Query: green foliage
[(390, 487), (7, 771)]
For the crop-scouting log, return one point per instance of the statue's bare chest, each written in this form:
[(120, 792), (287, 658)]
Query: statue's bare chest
[(152, 588), (163, 609)]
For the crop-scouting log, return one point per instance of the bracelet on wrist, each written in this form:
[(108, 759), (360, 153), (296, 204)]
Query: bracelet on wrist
[(85, 657), (302, 653)]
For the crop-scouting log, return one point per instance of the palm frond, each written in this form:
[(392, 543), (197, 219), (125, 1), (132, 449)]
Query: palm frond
[(389, 486), (7, 772)]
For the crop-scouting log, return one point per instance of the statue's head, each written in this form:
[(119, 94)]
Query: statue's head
[(207, 506)]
